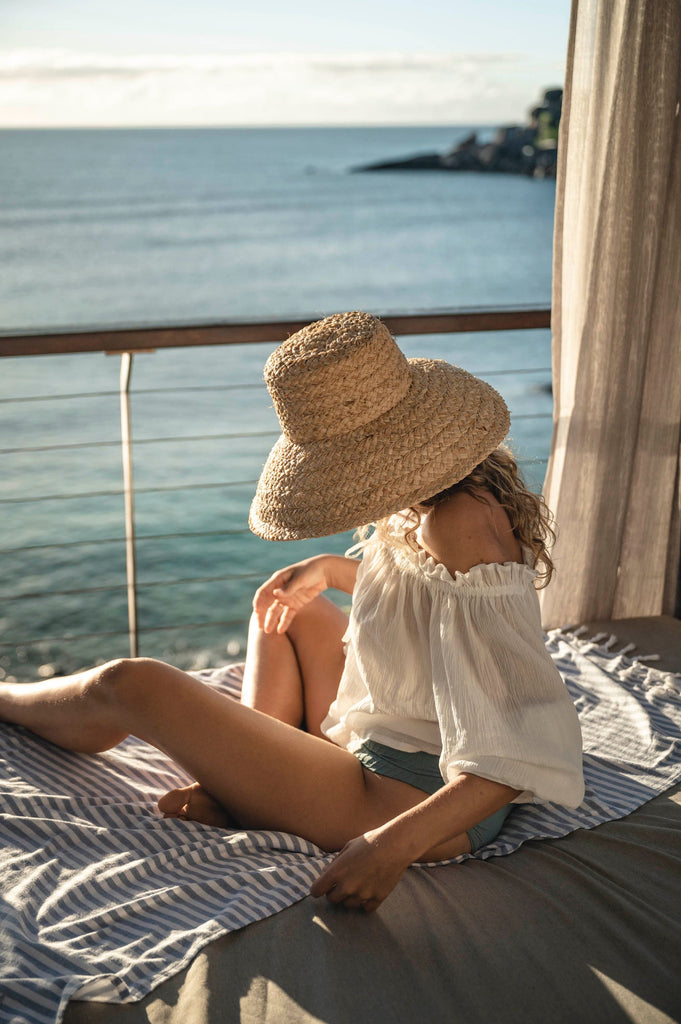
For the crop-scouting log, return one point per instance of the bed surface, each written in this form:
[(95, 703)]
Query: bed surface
[(570, 931)]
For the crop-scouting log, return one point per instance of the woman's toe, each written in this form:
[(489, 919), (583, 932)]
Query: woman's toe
[(174, 803), (202, 807)]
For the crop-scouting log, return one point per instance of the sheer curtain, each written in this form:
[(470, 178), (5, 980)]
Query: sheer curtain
[(613, 476)]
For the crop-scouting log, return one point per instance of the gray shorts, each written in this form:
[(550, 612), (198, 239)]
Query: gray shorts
[(422, 770)]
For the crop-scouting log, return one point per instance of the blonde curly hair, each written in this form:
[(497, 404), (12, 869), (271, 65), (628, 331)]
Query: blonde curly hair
[(531, 520)]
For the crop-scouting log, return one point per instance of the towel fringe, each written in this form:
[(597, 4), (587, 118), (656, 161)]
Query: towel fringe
[(627, 648), (605, 642)]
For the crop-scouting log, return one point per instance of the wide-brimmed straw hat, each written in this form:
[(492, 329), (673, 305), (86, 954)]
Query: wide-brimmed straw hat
[(366, 431)]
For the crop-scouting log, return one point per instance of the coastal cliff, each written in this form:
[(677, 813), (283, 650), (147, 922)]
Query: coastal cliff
[(529, 149)]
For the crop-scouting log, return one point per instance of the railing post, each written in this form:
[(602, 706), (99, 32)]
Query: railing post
[(129, 499)]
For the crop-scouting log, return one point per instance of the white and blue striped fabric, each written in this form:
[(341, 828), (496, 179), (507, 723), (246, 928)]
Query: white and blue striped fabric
[(102, 898)]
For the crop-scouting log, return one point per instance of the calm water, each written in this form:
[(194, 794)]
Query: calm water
[(168, 226)]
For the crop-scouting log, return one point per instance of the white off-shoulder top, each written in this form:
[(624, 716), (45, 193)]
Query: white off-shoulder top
[(456, 666)]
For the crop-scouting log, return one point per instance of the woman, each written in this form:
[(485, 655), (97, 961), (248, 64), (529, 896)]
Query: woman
[(437, 706)]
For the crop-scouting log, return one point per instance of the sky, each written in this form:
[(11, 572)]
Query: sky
[(263, 62)]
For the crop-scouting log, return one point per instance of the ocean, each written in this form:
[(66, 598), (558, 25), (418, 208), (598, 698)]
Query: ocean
[(169, 226)]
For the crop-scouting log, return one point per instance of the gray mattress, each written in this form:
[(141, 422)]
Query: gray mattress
[(571, 931)]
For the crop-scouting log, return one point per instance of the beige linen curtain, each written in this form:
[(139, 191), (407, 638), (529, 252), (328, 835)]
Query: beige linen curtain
[(613, 475)]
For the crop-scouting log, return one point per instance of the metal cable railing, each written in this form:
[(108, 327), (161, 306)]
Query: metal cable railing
[(121, 540), (138, 490), (240, 436), (127, 342), (147, 391), (212, 387), (77, 446), (122, 632), (140, 586)]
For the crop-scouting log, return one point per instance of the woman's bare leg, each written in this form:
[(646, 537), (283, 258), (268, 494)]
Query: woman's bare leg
[(64, 711), (294, 676), (264, 772), (272, 682)]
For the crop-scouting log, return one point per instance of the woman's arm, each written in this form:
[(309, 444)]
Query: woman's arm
[(341, 572), (278, 600), (370, 866)]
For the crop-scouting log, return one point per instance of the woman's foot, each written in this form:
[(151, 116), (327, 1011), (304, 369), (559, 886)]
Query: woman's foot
[(193, 803)]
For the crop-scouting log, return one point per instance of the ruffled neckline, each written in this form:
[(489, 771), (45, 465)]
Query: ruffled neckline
[(486, 574)]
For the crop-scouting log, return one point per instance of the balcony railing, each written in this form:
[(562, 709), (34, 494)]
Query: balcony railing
[(127, 342)]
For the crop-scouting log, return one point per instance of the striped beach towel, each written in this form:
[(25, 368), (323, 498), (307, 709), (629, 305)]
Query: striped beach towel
[(102, 898)]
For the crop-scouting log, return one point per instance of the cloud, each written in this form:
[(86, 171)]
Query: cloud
[(58, 87), (59, 64)]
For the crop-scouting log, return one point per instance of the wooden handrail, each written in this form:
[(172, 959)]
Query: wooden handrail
[(148, 339)]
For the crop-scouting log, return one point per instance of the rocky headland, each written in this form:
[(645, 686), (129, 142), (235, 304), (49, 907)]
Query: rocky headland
[(529, 149)]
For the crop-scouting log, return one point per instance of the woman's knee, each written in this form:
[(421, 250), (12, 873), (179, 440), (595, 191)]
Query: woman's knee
[(125, 680), (320, 624), (321, 618)]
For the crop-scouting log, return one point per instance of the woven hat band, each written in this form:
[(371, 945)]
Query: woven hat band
[(324, 386)]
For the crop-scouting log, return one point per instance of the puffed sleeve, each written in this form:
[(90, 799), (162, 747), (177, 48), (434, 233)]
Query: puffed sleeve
[(503, 709)]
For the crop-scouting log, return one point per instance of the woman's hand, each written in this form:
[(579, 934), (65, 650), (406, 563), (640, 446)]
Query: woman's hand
[(369, 867), (278, 600), (365, 871)]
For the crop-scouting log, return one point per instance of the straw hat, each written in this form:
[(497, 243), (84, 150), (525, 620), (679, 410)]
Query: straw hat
[(366, 431)]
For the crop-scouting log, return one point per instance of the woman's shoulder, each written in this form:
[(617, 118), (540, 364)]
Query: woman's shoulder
[(467, 530)]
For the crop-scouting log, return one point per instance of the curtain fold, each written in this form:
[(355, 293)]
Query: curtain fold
[(613, 476)]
